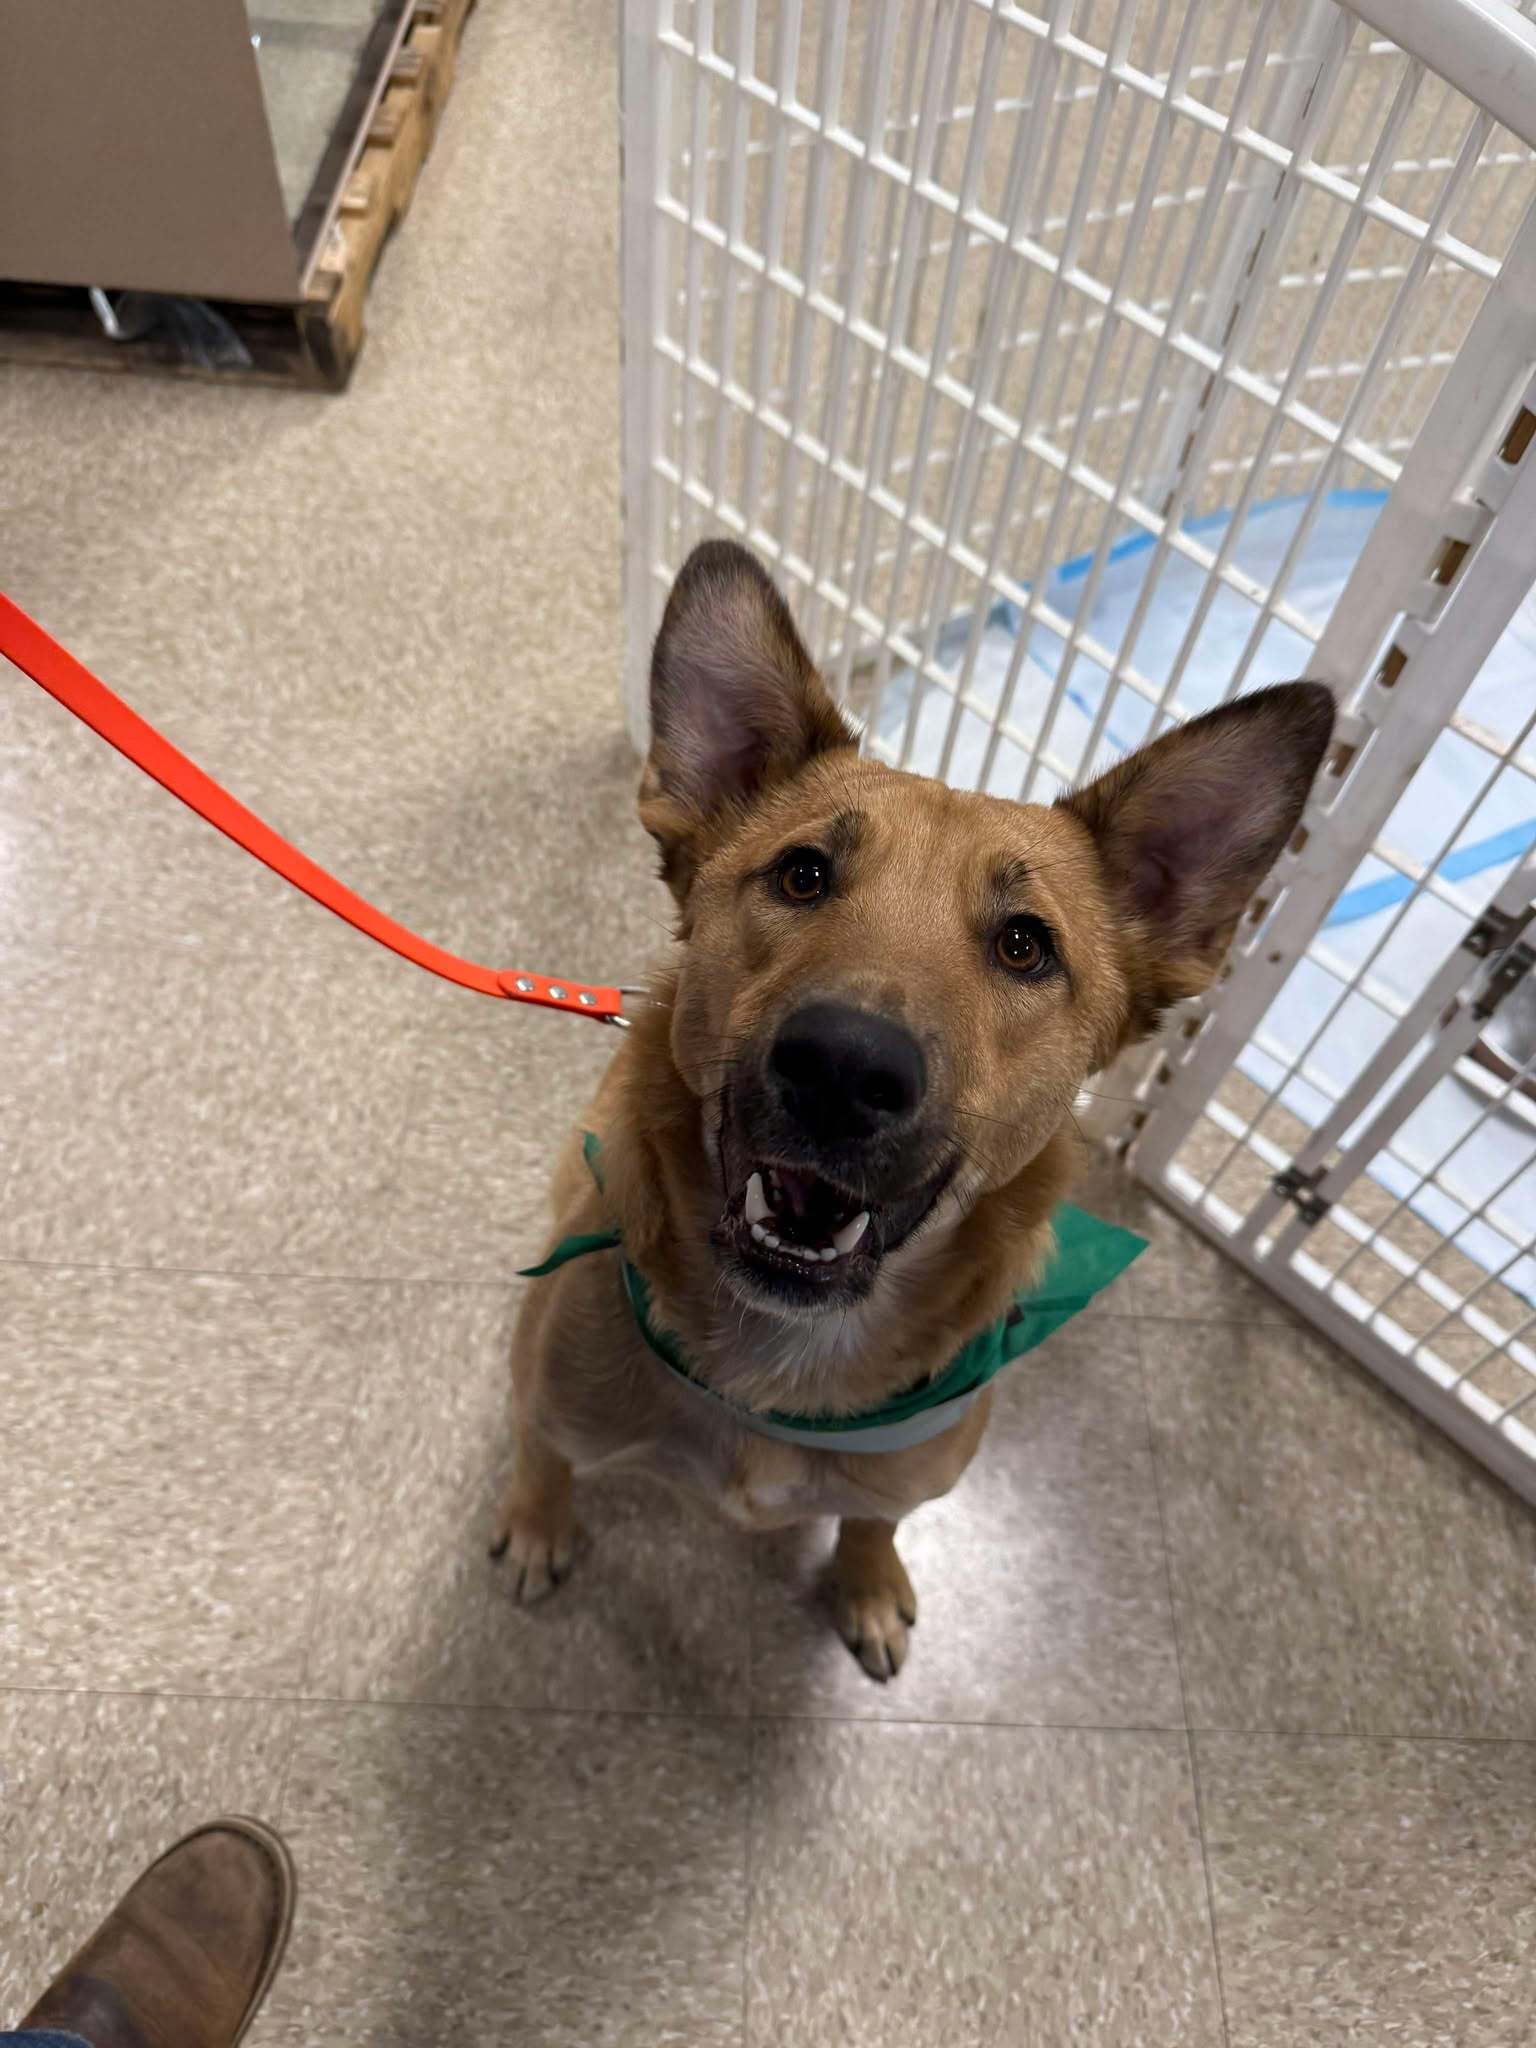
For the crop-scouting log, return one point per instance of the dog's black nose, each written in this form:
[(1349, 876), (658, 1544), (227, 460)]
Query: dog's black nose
[(845, 1074)]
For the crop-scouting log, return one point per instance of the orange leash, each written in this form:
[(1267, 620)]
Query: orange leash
[(24, 642)]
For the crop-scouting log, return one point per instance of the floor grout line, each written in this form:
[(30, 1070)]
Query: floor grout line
[(265, 1274), (763, 1717), (754, 1579), (748, 1839), (1210, 1886), (1189, 1740), (1128, 1314), (713, 1716), (322, 1569)]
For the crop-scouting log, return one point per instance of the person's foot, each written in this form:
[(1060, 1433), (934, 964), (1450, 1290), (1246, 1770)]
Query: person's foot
[(186, 1956)]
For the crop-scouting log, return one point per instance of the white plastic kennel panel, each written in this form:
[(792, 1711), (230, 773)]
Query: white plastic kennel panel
[(1352, 1113), (1077, 367)]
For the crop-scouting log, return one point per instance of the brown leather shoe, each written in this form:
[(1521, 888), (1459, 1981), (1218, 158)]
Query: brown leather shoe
[(186, 1957)]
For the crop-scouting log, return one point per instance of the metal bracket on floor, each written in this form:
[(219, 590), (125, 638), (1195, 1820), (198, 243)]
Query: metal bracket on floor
[(1506, 975), (1298, 1185), (1495, 930)]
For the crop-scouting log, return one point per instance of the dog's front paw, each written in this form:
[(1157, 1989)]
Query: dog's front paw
[(876, 1630), (538, 1553), (876, 1609)]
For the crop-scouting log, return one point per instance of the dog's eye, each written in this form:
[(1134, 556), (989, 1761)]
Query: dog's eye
[(1023, 945), (804, 875)]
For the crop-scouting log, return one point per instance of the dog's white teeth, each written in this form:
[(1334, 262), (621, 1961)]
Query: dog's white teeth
[(758, 1208), (844, 1240)]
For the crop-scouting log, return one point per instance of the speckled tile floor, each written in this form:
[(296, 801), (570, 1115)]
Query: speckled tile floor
[(1221, 1723)]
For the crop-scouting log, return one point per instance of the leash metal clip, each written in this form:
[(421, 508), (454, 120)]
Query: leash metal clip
[(618, 1019)]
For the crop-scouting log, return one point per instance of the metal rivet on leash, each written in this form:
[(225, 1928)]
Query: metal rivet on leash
[(556, 993), (524, 985)]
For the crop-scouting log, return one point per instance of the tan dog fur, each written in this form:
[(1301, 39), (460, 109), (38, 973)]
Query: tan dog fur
[(1140, 877)]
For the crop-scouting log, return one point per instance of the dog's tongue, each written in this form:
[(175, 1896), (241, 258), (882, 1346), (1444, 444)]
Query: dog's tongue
[(797, 1189)]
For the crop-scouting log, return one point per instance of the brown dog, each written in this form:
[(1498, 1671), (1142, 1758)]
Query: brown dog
[(834, 1142)]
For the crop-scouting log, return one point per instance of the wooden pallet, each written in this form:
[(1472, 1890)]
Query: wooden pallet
[(314, 344)]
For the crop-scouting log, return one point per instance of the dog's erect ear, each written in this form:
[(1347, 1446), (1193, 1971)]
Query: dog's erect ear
[(1187, 828), (736, 703)]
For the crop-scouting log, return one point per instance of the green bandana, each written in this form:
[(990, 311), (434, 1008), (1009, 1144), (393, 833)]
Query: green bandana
[(1088, 1255)]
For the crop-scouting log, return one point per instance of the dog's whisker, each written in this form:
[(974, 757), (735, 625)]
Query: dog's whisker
[(982, 1116)]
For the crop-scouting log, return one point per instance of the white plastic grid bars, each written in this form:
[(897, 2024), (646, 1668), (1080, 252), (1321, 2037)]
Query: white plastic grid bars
[(1353, 1113), (1078, 368), (928, 295)]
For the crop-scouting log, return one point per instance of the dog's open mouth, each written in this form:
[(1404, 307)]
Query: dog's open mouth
[(802, 1216), (801, 1237)]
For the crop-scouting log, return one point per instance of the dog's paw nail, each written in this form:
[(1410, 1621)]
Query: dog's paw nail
[(875, 1631), (539, 1560), (498, 1549)]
